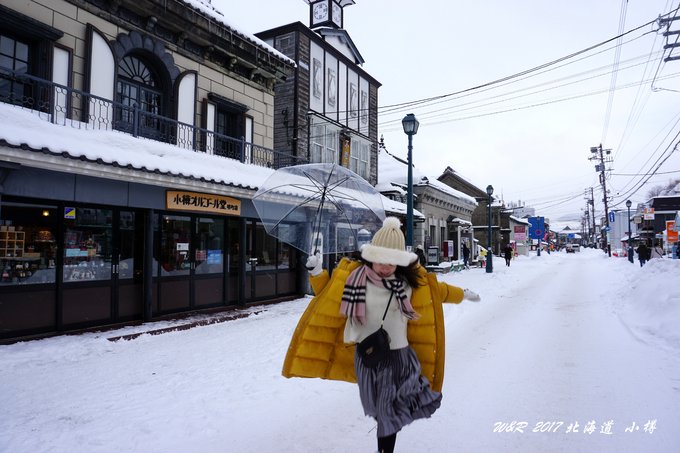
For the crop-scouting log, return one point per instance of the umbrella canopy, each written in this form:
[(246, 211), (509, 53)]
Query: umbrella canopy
[(319, 207)]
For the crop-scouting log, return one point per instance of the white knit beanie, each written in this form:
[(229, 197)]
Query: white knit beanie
[(388, 246)]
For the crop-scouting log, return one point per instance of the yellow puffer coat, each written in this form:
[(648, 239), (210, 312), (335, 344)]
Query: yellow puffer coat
[(317, 349)]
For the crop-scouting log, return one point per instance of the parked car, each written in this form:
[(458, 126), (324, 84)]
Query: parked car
[(573, 248)]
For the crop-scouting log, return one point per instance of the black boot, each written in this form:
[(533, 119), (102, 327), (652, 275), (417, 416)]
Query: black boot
[(386, 444)]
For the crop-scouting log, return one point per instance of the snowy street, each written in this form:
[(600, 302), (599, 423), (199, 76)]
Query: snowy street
[(565, 353)]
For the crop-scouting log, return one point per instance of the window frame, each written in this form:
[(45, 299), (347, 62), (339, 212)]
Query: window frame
[(324, 142)]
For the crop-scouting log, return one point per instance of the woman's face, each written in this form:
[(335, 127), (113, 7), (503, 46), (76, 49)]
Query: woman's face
[(384, 270)]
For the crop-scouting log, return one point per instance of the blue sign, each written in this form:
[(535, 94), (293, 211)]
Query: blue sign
[(612, 217), (536, 227)]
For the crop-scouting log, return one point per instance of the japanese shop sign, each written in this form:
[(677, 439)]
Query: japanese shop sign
[(671, 231), (202, 202)]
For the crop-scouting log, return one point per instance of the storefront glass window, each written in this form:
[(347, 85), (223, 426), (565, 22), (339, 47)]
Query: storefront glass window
[(208, 247), (27, 244), (263, 248), (87, 244), (175, 245), (127, 250)]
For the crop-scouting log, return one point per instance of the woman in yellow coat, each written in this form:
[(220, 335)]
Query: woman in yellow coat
[(386, 287)]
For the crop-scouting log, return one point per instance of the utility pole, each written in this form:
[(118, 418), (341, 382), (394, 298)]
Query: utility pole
[(666, 22), (598, 154), (592, 204)]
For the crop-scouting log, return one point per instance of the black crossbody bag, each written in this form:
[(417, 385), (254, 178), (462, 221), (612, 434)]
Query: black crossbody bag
[(375, 348)]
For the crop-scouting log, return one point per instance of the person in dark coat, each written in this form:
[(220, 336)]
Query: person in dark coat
[(643, 253), (421, 255), (508, 252), (466, 256)]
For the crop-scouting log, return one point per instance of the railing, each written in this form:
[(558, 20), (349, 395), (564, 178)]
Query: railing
[(66, 106)]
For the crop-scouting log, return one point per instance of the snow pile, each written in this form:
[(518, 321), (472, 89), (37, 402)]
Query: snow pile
[(652, 309)]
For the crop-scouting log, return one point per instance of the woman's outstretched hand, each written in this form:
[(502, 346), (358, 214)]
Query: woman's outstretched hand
[(314, 264), (471, 295)]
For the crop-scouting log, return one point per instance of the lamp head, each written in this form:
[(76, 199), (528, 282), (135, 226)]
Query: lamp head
[(489, 190), (410, 124), (628, 204)]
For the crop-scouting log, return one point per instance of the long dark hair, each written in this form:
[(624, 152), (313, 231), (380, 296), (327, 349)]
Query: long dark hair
[(409, 273)]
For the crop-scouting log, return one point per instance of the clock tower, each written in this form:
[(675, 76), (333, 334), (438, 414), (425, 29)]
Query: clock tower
[(326, 13)]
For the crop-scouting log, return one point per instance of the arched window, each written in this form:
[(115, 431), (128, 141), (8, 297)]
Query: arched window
[(139, 91)]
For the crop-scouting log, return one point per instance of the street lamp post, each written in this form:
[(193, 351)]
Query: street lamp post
[(410, 124), (630, 234), (489, 253)]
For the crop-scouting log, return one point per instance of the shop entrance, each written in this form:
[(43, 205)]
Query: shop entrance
[(101, 266), (189, 269), (270, 265)]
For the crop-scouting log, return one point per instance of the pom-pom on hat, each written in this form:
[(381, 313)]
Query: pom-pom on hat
[(388, 246)]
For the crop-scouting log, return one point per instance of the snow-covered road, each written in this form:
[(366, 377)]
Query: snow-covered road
[(553, 357), (578, 347)]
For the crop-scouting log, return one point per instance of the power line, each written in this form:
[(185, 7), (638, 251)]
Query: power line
[(519, 74)]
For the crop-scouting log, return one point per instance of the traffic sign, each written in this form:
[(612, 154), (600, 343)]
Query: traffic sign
[(612, 217), (536, 227)]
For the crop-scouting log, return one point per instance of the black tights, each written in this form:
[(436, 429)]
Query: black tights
[(386, 444)]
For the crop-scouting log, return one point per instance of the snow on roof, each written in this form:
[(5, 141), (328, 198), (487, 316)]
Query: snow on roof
[(119, 149), (459, 220), (123, 150), (395, 170), (518, 220), (205, 7)]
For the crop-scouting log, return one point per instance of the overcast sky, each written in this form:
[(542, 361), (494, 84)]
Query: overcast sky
[(530, 136)]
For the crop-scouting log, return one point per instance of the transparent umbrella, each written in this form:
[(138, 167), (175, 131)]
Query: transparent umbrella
[(319, 207)]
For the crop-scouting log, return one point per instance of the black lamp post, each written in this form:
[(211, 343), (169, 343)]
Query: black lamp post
[(489, 253), (630, 234), (410, 124)]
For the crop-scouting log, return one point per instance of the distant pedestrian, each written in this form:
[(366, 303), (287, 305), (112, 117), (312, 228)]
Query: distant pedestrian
[(508, 252), (643, 253), (657, 252), (421, 255), (466, 256), (482, 257)]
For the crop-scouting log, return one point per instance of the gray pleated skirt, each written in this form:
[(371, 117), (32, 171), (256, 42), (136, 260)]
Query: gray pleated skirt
[(395, 393)]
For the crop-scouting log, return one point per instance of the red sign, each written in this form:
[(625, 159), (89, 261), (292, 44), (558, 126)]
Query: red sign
[(670, 231)]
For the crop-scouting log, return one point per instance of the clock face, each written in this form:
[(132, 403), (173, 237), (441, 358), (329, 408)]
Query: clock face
[(320, 12), (337, 14)]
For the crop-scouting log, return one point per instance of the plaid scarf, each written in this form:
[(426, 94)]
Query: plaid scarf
[(353, 303)]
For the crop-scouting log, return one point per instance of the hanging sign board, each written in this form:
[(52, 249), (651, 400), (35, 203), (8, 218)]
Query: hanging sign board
[(178, 200), (671, 232), (433, 255), (648, 213)]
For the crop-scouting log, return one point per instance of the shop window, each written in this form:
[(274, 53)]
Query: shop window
[(87, 244), (27, 244), (175, 236), (263, 248), (208, 249)]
